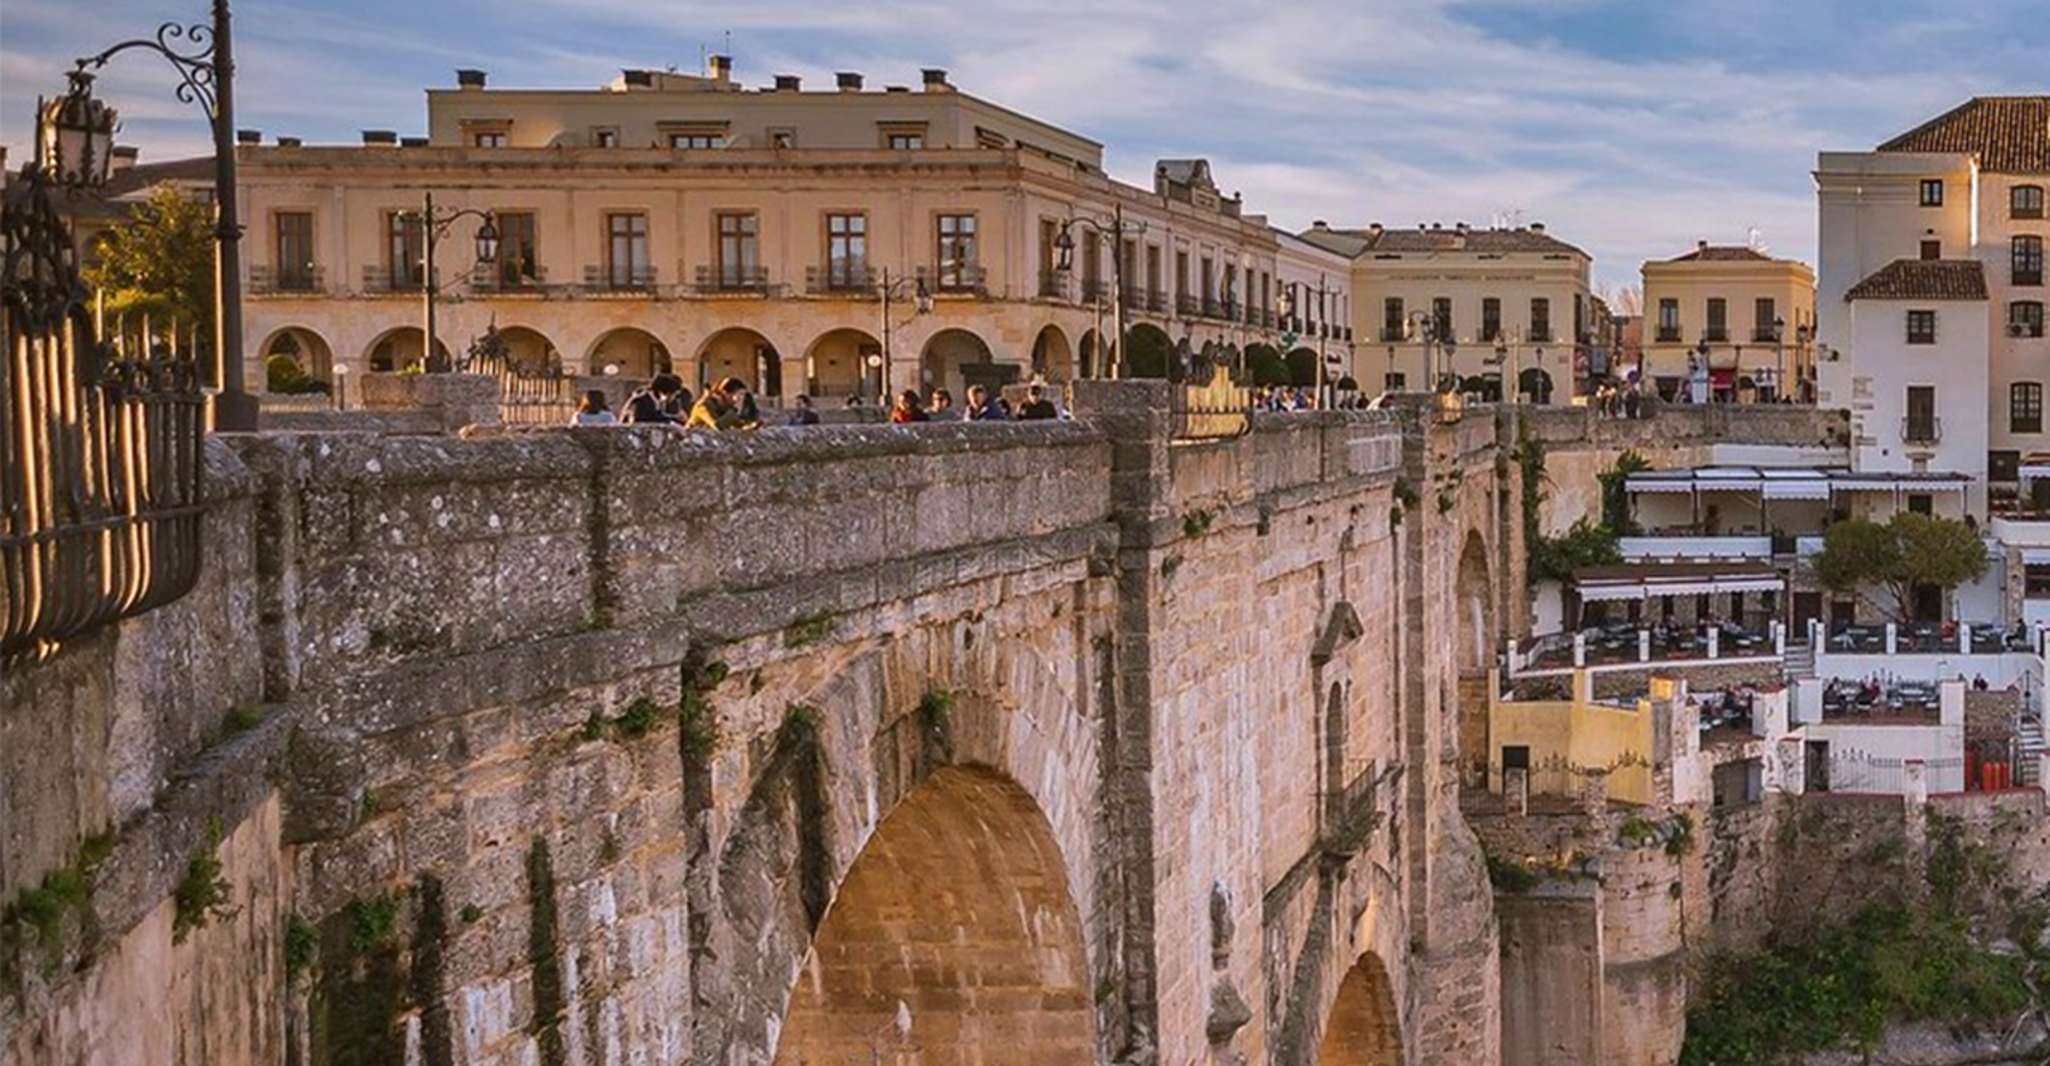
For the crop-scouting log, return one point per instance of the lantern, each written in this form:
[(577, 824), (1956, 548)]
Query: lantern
[(77, 136)]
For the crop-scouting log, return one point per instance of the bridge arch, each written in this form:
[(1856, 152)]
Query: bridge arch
[(1364, 1028), (1473, 633), (958, 909)]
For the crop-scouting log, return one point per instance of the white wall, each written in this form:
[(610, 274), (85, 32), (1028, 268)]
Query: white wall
[(1955, 366)]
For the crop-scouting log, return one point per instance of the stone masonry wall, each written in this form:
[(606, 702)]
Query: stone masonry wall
[(553, 748)]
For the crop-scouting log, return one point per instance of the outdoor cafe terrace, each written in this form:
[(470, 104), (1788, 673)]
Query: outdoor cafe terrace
[(1625, 645)]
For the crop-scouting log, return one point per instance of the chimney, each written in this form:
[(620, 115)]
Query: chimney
[(1461, 227), (719, 68), (848, 81), (469, 79), (935, 80), (637, 79), (288, 142), (248, 136), (788, 83), (122, 156), (1374, 227), (380, 137), (1537, 227), (1320, 224)]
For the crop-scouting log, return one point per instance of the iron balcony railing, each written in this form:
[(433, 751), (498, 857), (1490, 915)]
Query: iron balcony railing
[(100, 451), (1764, 335), (488, 278), (1922, 430), (1668, 335), (377, 279), (717, 279), (954, 278), (1187, 305), (1156, 301), (635, 281), (1133, 299), (1053, 284), (267, 280), (1095, 290), (839, 280), (1716, 335), (1393, 334)]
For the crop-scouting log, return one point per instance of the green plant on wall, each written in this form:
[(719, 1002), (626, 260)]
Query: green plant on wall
[(202, 893)]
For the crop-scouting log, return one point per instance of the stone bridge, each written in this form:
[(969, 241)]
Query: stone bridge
[(1079, 743)]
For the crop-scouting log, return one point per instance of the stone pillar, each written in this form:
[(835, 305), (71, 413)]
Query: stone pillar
[(1779, 638), (1516, 790), (1579, 650), (1644, 645), (1715, 641), (1892, 638), (1964, 638)]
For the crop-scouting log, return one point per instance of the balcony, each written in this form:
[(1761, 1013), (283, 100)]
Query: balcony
[(1922, 430), (1765, 335), (1716, 335), (1133, 299), (268, 281), (377, 279), (1095, 290), (963, 279), (731, 281), (1393, 334), (1187, 305), (1541, 336), (1227, 309), (842, 280), (600, 281), (488, 279), (1054, 285), (1156, 301), (1668, 335), (2028, 277)]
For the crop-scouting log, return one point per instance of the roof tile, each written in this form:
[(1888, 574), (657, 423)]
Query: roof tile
[(1923, 279), (2009, 134)]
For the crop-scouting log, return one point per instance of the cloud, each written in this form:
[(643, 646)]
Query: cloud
[(1631, 129)]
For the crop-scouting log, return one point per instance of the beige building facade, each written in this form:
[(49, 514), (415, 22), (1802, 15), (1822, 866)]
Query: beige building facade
[(1729, 321), (686, 223), (1481, 303)]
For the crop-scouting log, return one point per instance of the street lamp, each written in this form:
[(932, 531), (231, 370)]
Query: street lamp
[(921, 304), (77, 146), (1424, 324), (1064, 245), (1287, 302), (434, 225)]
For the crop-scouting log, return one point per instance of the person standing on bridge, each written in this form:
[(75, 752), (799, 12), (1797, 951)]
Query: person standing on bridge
[(908, 408)]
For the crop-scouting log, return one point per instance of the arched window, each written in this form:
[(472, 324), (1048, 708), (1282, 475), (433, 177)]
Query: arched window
[(2025, 201), (2025, 318)]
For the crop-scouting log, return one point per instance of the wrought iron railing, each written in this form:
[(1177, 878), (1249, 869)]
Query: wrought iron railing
[(267, 280), (100, 467), (527, 396), (1215, 410), (840, 280)]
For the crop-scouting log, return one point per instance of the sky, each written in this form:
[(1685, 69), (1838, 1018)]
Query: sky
[(1631, 128)]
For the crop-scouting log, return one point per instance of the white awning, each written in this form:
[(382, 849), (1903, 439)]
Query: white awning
[(2032, 471), (1816, 489), (1661, 485), (1611, 592), (1728, 484), (1762, 584), (2036, 556), (1637, 590)]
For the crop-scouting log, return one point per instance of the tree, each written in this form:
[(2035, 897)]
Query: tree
[(161, 262), (1860, 556), (1555, 558), (1616, 493), (1265, 365)]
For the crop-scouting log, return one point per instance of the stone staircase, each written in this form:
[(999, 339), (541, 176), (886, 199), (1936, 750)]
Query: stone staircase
[(2029, 745), (1800, 660)]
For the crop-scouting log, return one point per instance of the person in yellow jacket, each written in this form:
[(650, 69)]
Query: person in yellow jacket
[(722, 407)]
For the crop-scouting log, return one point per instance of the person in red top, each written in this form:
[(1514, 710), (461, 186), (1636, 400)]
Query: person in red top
[(908, 408)]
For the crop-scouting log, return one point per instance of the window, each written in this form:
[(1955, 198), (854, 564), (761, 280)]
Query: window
[(1919, 427), (1921, 503), (626, 250), (1231, 286), (1441, 318), (2025, 407), (1153, 274), (1921, 327), (1181, 274), (1393, 381), (491, 139), (2025, 319), (517, 261), (1718, 319), (1393, 325), (1932, 192), (604, 137), (2028, 260), (782, 137), (1669, 320), (1932, 248), (957, 251), (846, 251), (2036, 581), (904, 142), (695, 140), (2025, 201), (1579, 318), (1764, 316), (1209, 280), (1092, 265), (404, 253), (1491, 318), (739, 250), (1540, 319), (295, 250)]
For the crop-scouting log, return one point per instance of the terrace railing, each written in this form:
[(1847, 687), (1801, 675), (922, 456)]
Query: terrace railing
[(100, 469)]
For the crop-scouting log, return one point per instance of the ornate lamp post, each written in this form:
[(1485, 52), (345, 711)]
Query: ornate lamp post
[(921, 304), (434, 225), (1287, 301), (1117, 231), (78, 142)]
